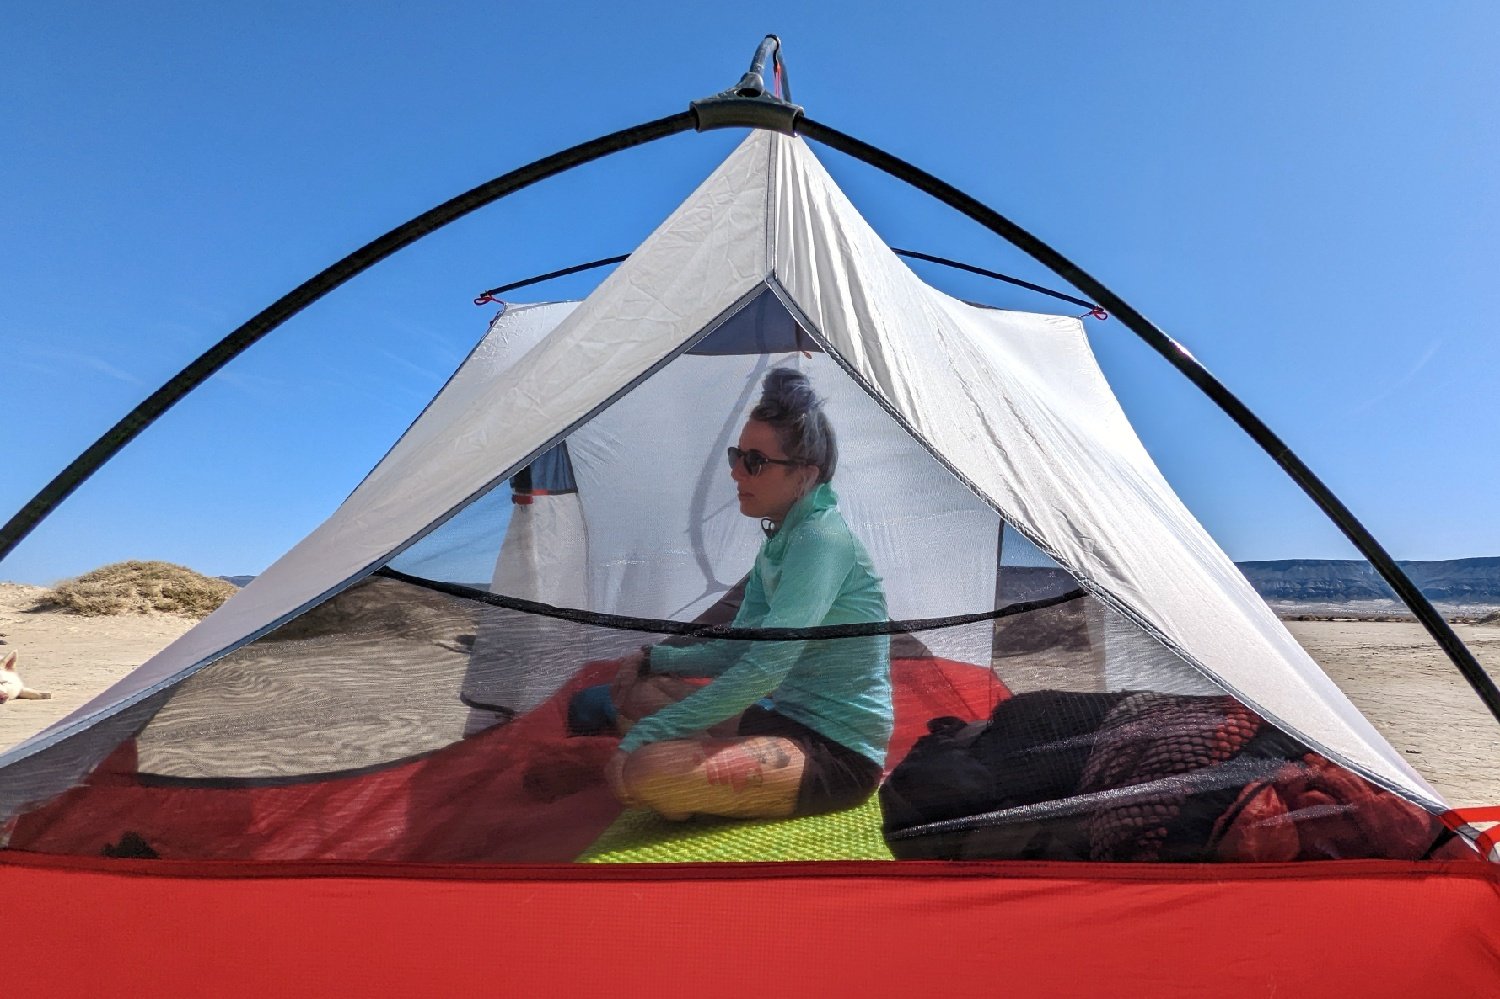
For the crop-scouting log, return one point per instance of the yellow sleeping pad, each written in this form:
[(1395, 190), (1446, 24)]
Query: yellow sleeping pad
[(640, 836)]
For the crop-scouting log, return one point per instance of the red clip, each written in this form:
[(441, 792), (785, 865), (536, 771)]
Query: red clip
[(1096, 312), (1486, 841), (1456, 817), (487, 299)]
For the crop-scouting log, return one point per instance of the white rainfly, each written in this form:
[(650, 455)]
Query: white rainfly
[(1012, 404)]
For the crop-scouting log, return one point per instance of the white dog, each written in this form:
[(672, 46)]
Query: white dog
[(11, 687)]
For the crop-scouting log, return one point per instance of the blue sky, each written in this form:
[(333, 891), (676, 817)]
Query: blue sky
[(1304, 195)]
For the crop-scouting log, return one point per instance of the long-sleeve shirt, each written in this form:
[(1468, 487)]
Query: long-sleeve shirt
[(812, 571)]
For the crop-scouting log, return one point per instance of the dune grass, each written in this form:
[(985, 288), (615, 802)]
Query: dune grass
[(138, 588)]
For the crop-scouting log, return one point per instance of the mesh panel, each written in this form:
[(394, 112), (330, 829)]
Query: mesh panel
[(36, 780), (371, 676), (467, 702)]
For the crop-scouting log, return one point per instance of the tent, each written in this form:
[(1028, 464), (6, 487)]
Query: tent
[(356, 774)]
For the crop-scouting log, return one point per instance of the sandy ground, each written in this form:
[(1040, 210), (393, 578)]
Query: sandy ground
[(73, 657), (1413, 694), (1392, 671)]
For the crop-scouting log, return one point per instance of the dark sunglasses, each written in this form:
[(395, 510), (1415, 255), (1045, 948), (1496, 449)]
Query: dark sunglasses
[(753, 461)]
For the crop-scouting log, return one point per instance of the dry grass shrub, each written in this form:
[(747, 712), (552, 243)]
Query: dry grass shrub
[(1493, 617), (139, 588), (372, 608)]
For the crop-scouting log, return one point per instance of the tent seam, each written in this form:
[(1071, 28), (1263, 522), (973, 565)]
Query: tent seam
[(772, 235), (489, 328)]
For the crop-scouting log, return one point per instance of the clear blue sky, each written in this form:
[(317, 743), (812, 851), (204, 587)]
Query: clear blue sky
[(1304, 194)]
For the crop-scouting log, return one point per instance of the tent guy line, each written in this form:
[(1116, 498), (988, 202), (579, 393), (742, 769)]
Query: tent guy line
[(489, 297)]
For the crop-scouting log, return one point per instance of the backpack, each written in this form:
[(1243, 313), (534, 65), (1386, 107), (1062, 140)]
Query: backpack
[(1050, 761)]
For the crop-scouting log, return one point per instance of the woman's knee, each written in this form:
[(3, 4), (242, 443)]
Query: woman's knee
[(741, 777)]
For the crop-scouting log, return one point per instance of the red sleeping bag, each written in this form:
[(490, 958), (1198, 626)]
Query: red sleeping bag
[(1314, 809)]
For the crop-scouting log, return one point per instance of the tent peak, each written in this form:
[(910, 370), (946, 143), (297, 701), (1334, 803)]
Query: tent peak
[(747, 104)]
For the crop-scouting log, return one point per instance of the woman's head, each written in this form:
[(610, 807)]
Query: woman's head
[(790, 443)]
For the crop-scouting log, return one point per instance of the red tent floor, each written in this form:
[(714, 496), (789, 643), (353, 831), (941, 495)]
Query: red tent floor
[(76, 927)]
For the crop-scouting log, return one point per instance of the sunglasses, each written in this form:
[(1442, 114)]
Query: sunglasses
[(753, 461)]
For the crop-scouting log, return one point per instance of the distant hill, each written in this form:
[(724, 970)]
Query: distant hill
[(1463, 580), (237, 580)]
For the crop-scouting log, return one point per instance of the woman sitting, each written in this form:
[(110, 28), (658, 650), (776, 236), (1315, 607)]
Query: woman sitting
[(783, 728)]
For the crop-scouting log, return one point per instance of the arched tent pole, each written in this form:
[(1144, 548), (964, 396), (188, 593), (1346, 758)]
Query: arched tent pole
[(305, 294), (748, 104), (1183, 361)]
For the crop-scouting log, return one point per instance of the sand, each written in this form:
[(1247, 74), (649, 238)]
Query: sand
[(73, 657), (1392, 671), (1408, 688)]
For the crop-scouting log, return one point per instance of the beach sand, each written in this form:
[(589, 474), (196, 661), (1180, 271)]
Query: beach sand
[(74, 657), (1417, 699), (1391, 671)]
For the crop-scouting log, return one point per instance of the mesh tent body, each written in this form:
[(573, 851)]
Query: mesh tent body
[(1012, 404), (981, 424)]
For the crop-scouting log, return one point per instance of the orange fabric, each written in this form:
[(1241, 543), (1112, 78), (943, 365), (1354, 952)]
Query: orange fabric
[(1369, 929)]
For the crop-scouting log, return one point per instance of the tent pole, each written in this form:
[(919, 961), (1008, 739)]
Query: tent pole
[(284, 308), (749, 105), (748, 99), (1178, 356)]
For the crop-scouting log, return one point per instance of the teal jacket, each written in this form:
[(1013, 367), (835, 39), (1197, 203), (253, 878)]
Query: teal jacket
[(812, 571)]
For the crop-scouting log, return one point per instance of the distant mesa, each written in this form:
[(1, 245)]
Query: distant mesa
[(240, 581), (1457, 581), (1464, 589)]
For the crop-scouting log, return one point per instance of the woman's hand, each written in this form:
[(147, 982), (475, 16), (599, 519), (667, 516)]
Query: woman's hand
[(614, 775), (626, 676)]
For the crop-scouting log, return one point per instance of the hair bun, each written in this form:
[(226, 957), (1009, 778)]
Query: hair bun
[(789, 404)]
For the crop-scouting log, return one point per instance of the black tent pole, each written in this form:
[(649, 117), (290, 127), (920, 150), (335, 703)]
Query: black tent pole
[(1176, 355), (747, 104), (284, 308)]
